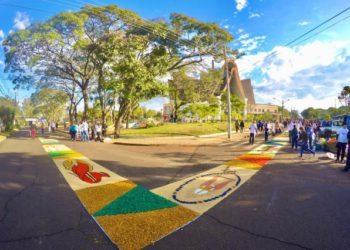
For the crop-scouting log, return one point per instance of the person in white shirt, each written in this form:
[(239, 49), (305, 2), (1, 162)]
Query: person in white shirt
[(342, 139), (252, 130), (98, 131), (290, 128)]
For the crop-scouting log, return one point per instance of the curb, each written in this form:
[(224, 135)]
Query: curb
[(2, 138)]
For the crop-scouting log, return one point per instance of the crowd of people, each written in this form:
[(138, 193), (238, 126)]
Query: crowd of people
[(305, 135), (87, 131)]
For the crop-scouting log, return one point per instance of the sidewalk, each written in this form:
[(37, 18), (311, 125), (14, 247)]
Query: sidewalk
[(203, 140)]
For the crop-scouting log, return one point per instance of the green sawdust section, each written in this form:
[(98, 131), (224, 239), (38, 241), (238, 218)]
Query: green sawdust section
[(138, 200)]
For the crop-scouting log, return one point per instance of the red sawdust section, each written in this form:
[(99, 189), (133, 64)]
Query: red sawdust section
[(95, 198), (257, 159), (138, 230)]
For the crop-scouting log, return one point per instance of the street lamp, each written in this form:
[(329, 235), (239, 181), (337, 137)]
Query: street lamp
[(283, 102)]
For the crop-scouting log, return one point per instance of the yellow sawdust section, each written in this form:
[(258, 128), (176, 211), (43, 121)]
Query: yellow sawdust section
[(138, 230), (95, 198), (242, 164), (71, 155)]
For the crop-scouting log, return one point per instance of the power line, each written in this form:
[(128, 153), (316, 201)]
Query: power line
[(305, 34)]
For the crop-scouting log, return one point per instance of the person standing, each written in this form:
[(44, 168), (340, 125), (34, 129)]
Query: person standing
[(266, 132), (342, 139), (42, 129), (290, 129), (294, 136), (241, 125), (85, 131), (98, 130), (252, 130), (347, 165), (304, 143), (237, 126), (73, 131), (33, 131)]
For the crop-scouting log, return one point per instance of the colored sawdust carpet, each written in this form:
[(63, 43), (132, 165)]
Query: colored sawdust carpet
[(138, 230), (256, 159), (65, 154), (137, 200), (243, 164), (96, 198)]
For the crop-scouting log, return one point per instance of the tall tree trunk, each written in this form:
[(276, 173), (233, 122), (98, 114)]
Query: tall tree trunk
[(123, 108), (86, 100)]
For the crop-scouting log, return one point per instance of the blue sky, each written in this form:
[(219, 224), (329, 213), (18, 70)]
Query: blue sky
[(310, 74)]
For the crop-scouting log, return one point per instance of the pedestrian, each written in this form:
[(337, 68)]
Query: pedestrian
[(304, 143), (266, 132), (252, 132), (42, 129), (309, 132), (290, 128), (53, 127), (98, 130), (294, 136), (85, 131), (347, 165), (342, 139), (241, 125), (33, 131), (237, 126), (73, 131)]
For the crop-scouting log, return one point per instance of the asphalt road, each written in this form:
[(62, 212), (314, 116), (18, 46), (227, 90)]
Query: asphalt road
[(290, 204), (38, 210)]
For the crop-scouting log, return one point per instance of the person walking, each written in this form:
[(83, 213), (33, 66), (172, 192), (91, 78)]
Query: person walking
[(237, 126), (252, 130), (241, 125), (294, 136), (342, 139), (347, 165), (304, 143)]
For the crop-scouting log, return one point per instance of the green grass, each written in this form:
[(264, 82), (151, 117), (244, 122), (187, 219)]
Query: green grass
[(173, 129)]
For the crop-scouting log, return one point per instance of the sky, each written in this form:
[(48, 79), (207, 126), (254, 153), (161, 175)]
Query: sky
[(308, 73)]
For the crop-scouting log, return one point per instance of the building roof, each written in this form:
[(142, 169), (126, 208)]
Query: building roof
[(248, 90)]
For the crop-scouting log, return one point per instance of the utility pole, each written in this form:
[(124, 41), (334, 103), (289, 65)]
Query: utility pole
[(228, 95)]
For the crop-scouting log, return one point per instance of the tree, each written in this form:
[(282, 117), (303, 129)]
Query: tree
[(7, 113), (49, 104), (237, 105), (344, 96), (182, 89)]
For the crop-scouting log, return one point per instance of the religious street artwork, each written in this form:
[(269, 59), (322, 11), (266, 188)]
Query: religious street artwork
[(134, 217)]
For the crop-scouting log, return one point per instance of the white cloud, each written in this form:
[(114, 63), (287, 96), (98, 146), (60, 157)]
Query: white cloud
[(309, 75), (241, 4), (254, 15), (250, 44), (303, 23), (21, 21), (2, 34)]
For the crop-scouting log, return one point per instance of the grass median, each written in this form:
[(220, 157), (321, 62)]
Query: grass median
[(176, 129)]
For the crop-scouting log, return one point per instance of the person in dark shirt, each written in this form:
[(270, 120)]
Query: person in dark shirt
[(294, 137), (304, 143), (347, 165)]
